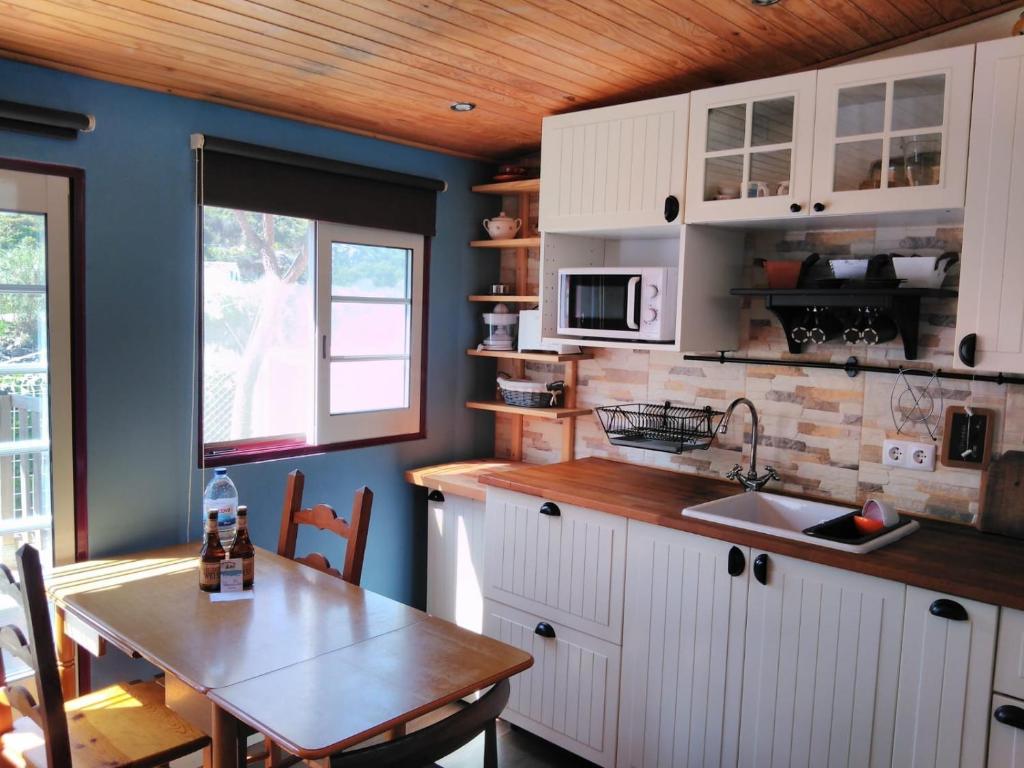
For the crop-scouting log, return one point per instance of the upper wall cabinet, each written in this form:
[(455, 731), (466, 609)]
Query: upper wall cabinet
[(750, 150), (990, 314), (615, 169), (892, 134)]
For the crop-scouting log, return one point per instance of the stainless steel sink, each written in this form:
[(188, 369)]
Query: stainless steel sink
[(787, 518)]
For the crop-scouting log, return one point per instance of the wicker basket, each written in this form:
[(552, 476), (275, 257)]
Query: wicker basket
[(530, 394)]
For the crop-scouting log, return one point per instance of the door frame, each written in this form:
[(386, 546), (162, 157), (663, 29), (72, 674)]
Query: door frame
[(76, 184)]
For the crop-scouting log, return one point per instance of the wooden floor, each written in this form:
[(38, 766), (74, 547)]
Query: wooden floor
[(516, 749)]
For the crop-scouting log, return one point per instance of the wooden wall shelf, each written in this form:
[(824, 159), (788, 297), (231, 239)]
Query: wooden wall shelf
[(538, 413), (509, 187), (515, 242), (488, 298), (532, 357)]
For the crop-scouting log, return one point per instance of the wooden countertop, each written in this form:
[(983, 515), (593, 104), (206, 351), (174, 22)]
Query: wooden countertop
[(944, 557), (461, 478)]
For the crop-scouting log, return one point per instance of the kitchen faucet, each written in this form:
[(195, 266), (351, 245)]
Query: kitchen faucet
[(750, 481)]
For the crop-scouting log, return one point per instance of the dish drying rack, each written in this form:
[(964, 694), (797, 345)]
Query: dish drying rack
[(667, 428)]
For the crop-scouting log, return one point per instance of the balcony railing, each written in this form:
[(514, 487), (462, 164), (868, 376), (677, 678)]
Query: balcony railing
[(24, 475)]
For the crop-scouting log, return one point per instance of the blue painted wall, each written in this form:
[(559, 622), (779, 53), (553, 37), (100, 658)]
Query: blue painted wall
[(140, 269)]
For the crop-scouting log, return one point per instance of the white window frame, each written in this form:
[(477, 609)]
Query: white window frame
[(394, 423)]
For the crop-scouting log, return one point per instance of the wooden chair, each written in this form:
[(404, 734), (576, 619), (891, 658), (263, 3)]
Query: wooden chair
[(122, 725), (325, 518)]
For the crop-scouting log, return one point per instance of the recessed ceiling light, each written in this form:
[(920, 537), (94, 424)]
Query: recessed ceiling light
[(764, 2), (463, 106)]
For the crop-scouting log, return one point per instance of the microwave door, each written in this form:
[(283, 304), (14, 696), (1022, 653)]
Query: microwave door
[(605, 303)]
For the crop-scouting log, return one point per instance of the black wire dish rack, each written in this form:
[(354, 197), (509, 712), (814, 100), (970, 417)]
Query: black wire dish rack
[(668, 428)]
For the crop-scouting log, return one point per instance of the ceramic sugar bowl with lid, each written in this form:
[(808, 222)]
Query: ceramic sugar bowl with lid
[(502, 227)]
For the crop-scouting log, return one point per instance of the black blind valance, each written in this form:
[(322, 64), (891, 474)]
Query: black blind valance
[(254, 178)]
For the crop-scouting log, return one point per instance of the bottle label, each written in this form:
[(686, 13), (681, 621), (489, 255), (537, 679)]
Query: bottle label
[(209, 575), (248, 569)]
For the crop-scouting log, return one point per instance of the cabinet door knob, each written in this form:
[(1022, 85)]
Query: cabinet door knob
[(1010, 715), (544, 629), (435, 495), (737, 562), (967, 349), (761, 568), (819, 207), (948, 609), (671, 208), (551, 509), (796, 207)]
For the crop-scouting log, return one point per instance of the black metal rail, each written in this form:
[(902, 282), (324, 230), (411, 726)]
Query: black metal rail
[(853, 366)]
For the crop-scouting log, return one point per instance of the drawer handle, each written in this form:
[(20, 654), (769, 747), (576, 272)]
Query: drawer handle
[(671, 208), (551, 509), (967, 351), (761, 568), (1010, 715), (544, 629), (737, 562), (819, 207), (948, 609), (435, 495)]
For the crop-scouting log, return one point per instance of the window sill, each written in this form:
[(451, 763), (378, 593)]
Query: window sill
[(247, 454)]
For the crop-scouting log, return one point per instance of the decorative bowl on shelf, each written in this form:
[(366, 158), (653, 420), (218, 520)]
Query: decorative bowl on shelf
[(502, 227)]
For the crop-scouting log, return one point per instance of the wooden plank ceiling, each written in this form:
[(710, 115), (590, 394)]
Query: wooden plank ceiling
[(392, 68)]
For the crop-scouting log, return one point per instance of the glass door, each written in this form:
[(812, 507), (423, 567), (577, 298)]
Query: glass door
[(892, 134), (750, 150), (36, 485)]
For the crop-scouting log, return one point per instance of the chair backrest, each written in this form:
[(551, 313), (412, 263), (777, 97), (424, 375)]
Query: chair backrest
[(430, 744), (38, 652), (325, 518)]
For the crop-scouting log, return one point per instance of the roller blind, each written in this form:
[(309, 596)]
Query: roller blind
[(250, 177)]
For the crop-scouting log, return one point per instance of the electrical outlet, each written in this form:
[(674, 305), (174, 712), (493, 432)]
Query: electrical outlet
[(908, 455)]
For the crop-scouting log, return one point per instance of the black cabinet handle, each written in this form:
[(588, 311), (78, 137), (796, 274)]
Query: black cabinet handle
[(819, 207), (761, 568), (795, 207), (967, 349), (948, 609), (671, 208), (435, 495), (551, 509), (1010, 715), (544, 629), (737, 562)]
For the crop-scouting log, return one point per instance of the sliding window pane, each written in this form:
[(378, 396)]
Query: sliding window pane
[(22, 248), (370, 271), (369, 385), (369, 329)]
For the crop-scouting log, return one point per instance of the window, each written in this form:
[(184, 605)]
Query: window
[(312, 335)]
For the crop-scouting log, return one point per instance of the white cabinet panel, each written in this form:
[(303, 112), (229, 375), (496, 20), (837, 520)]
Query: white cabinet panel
[(991, 303), (1009, 677), (821, 667), (682, 651), (568, 567), (892, 134), (1006, 744), (613, 168), (750, 150), (945, 682), (570, 695), (455, 559)]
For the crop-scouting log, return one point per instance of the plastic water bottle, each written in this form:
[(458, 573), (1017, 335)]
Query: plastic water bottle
[(222, 497)]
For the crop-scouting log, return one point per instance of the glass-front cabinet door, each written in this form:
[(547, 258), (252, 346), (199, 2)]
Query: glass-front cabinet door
[(892, 134), (750, 150)]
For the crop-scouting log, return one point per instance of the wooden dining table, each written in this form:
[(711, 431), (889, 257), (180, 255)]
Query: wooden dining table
[(311, 661)]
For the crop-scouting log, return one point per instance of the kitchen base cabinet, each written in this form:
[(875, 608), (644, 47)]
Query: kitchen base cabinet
[(682, 649), (455, 559), (821, 666), (945, 681), (1006, 744), (1009, 676), (570, 695)]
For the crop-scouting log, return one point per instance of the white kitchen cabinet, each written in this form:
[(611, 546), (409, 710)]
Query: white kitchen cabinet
[(945, 681), (1006, 743), (750, 150), (455, 559), (682, 649), (570, 695), (990, 313), (821, 666), (1009, 675), (614, 168), (892, 134), (559, 561)]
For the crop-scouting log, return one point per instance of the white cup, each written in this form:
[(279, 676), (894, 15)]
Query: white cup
[(875, 509)]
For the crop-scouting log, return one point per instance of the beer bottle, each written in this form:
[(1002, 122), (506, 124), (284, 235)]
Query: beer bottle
[(210, 556), (243, 549)]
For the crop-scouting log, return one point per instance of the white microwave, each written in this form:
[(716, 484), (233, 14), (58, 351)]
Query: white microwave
[(621, 303)]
